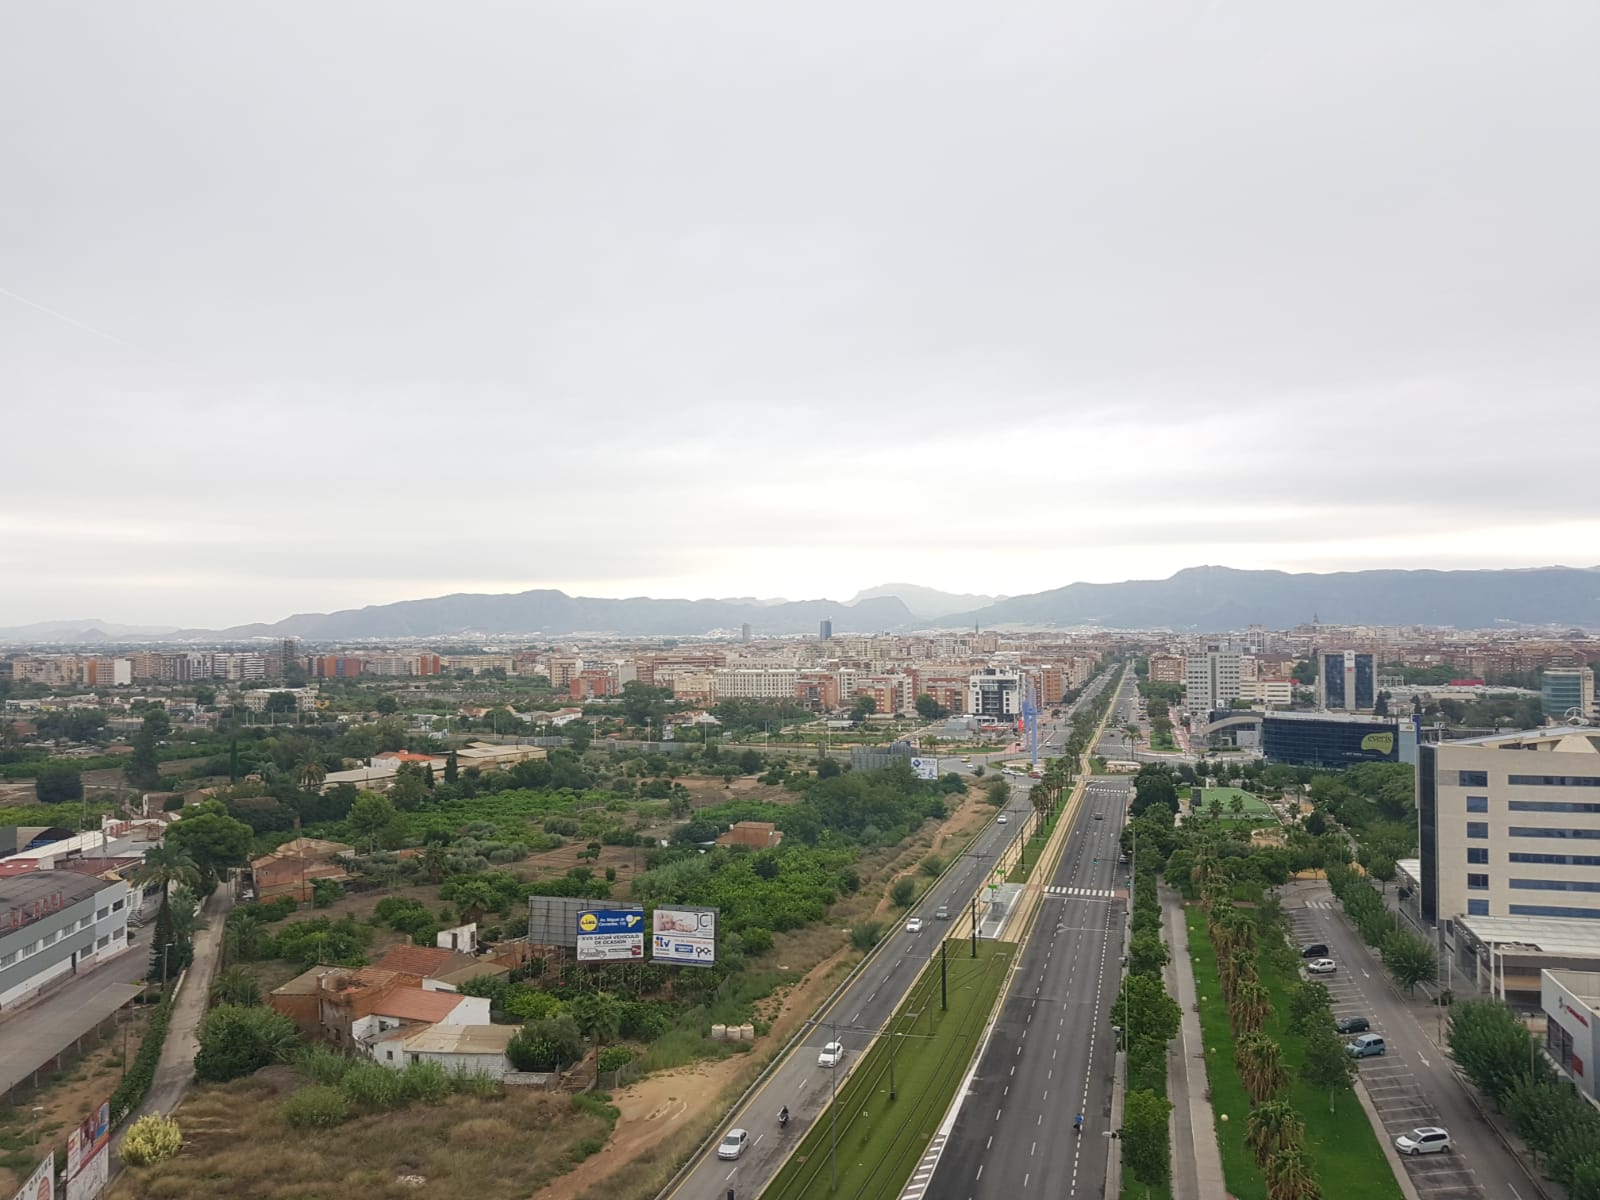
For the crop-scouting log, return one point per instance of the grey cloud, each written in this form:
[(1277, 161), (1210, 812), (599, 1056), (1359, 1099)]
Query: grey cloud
[(688, 293)]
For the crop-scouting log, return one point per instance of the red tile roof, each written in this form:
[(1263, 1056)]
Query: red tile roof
[(422, 961), (414, 1004)]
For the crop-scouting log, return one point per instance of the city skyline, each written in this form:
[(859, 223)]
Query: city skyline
[(714, 302)]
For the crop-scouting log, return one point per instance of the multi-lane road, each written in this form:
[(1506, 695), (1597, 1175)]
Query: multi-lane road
[(862, 1007), (1052, 1052)]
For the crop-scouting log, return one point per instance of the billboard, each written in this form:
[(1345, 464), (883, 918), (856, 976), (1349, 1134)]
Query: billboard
[(610, 934), (41, 1184), (925, 768), (553, 920), (685, 936), (88, 1138), (91, 1181)]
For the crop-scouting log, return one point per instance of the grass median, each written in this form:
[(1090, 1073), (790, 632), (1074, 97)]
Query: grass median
[(879, 1140), (1033, 848), (1341, 1141)]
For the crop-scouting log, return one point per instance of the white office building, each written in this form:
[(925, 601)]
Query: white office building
[(754, 683), (1211, 678), (995, 694)]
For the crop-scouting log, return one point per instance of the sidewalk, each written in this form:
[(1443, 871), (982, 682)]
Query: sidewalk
[(1196, 1161), (175, 1070)]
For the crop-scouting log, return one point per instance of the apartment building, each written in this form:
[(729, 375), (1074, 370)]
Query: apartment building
[(891, 693), (238, 667), (102, 672), (388, 663), (334, 666), (1211, 678), (593, 682), (817, 690), (562, 668), (54, 924), (995, 694), (1166, 668), (305, 699), (754, 683), (1273, 692), (1510, 825)]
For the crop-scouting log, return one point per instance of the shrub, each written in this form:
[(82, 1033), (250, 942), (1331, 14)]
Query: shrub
[(324, 892), (866, 935), (614, 1058), (373, 1087), (316, 1107), (586, 1147), (237, 1041), (322, 1065), (903, 892), (546, 1045), (757, 941), (151, 1140), (425, 1082), (131, 1091)]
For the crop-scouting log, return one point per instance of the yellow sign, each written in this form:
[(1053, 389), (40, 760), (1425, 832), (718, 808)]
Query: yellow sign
[(588, 922), (1383, 743)]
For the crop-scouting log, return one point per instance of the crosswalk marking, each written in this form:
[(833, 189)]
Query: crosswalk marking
[(1091, 893)]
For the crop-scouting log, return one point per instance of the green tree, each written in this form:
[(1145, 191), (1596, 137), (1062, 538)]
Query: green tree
[(1249, 1006), (214, 840), (236, 1041), (1410, 959), (373, 820), (143, 768), (310, 774), (1291, 1176), (1310, 1005), (1327, 1065), (1144, 1136), (1490, 1045), (1260, 1063), (598, 1016), (643, 705), (164, 866), (236, 986), (58, 783), (903, 892), (863, 708), (1272, 1127), (1144, 1010), (452, 769), (997, 793), (1147, 954), (386, 706), (930, 709)]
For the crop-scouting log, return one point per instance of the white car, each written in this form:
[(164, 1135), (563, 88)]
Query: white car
[(1002, 819), (1429, 1139), (832, 1055), (914, 925), (1320, 966), (734, 1144)]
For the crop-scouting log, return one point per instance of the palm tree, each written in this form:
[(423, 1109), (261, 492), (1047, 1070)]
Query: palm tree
[(164, 866), (1260, 1063), (310, 774), (1236, 805), (1250, 1005), (1290, 1176), (1272, 1127)]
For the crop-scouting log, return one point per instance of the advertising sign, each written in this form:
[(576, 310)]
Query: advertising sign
[(41, 1184), (91, 1181), (88, 1138), (1383, 743), (610, 934), (686, 936), (611, 947), (925, 768)]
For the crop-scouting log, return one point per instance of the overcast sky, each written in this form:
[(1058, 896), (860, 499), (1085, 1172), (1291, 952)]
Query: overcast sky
[(308, 306)]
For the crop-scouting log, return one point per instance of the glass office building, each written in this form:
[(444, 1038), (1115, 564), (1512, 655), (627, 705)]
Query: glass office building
[(1330, 739)]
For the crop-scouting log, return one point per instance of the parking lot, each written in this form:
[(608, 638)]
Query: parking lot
[(1391, 1080)]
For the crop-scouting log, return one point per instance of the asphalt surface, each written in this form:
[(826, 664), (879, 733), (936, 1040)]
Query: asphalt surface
[(1413, 1083), (859, 1012), (1052, 1052)]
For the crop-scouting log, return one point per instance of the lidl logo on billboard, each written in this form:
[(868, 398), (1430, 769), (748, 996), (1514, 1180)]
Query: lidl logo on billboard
[(1383, 743), (611, 920)]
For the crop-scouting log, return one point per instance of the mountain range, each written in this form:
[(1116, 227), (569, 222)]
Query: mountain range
[(1195, 599)]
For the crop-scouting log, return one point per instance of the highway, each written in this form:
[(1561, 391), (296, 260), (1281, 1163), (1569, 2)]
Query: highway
[(854, 1017), (1052, 1052)]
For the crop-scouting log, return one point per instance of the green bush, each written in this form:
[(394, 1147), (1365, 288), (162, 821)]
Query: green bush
[(866, 935), (373, 1088), (236, 1041), (317, 1107), (151, 1139), (425, 1083), (322, 1064), (757, 941), (138, 1078), (614, 1058), (586, 1148)]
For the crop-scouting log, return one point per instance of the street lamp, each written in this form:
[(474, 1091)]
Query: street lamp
[(164, 950)]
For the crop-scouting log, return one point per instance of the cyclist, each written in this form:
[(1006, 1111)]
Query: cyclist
[(1077, 1123)]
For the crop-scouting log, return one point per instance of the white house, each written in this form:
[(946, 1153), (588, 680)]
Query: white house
[(468, 1049)]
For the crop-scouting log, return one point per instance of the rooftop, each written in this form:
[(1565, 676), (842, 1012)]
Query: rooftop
[(415, 1004), (1560, 739), (461, 1039), (1346, 718), (426, 962), (41, 887), (1550, 935)]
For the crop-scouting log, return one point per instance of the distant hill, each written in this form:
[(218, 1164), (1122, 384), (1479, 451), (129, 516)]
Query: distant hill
[(90, 629), (1220, 598), (925, 601), (554, 613)]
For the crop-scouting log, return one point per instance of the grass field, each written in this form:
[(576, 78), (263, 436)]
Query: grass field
[(1253, 807), (879, 1139), (1341, 1142)]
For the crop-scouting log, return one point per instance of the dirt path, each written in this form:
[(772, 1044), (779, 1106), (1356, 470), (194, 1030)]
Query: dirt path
[(657, 1107)]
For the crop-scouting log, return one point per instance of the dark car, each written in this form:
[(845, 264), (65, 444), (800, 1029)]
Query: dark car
[(1354, 1025), (1315, 950)]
